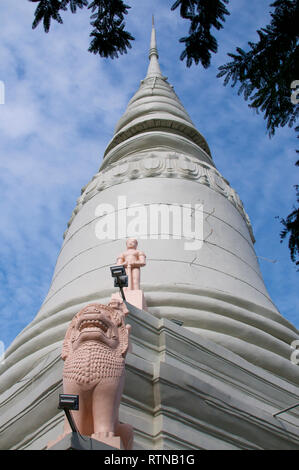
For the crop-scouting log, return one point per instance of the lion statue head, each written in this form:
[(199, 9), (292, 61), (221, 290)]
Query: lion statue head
[(97, 339)]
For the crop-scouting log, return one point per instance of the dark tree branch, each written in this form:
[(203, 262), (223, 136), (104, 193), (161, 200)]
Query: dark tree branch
[(107, 19), (266, 71), (203, 15), (109, 36)]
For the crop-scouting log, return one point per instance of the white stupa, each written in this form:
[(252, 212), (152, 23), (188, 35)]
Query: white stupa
[(213, 377)]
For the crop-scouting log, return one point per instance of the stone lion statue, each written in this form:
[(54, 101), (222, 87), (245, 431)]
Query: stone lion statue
[(94, 350)]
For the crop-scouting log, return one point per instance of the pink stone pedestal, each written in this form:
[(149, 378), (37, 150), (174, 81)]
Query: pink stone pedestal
[(134, 297)]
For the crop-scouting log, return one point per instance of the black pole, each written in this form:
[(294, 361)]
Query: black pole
[(70, 420), (120, 287), (122, 293)]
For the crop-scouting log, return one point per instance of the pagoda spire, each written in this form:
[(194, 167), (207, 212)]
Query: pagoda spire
[(155, 107), (154, 67)]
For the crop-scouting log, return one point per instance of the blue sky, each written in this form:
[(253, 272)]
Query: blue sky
[(61, 106)]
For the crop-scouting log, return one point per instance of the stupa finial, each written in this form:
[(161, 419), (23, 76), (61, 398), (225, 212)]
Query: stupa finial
[(154, 67)]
